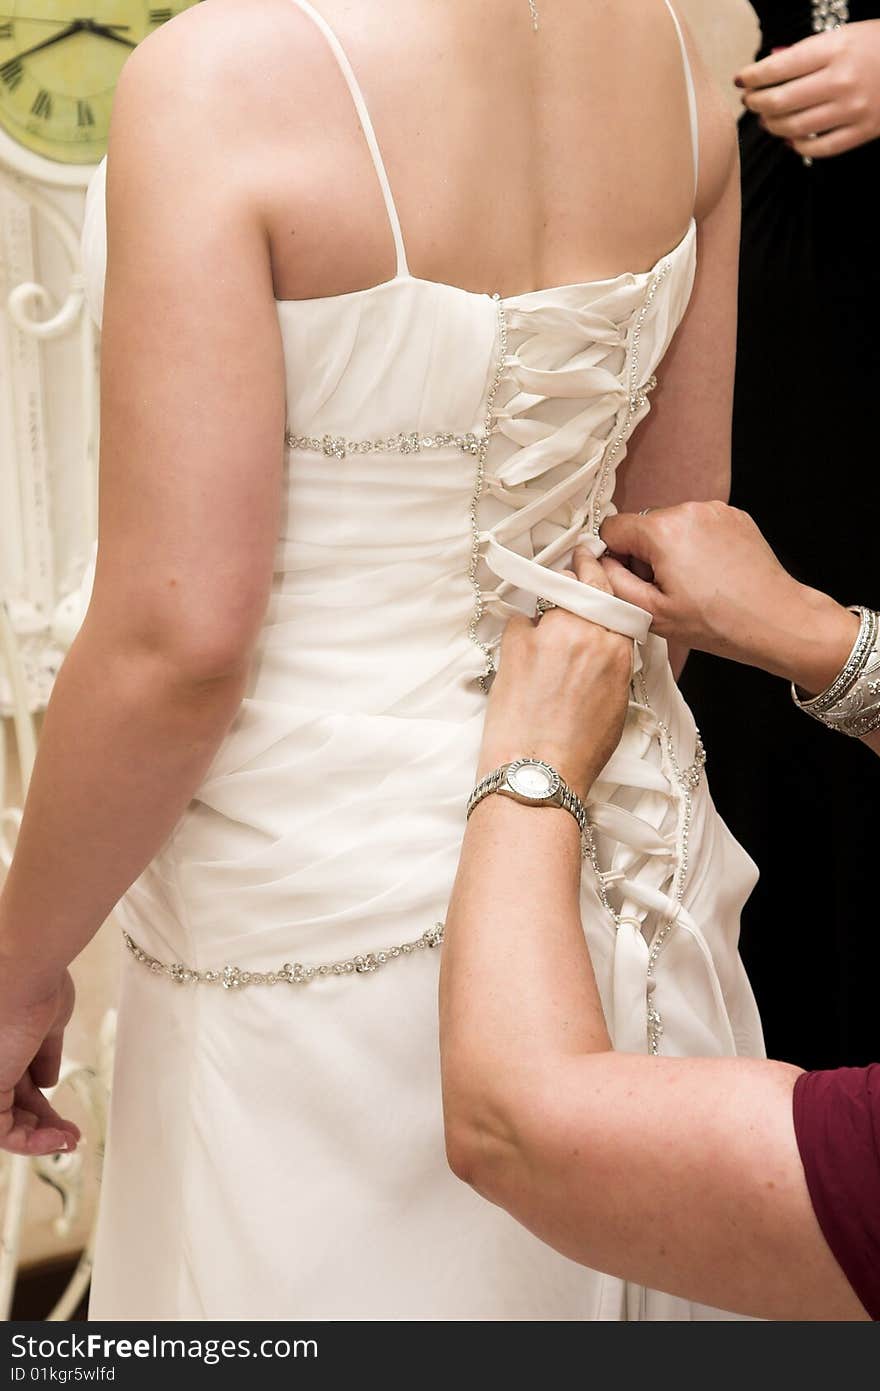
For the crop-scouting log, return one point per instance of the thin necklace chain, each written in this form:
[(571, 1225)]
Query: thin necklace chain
[(533, 11)]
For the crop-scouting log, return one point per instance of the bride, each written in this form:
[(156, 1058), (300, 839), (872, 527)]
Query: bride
[(346, 431)]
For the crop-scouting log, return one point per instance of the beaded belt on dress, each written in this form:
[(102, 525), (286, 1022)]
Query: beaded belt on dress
[(291, 973)]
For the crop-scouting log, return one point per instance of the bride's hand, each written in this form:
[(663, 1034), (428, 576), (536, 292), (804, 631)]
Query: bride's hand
[(718, 587), (827, 87), (31, 1035), (561, 690)]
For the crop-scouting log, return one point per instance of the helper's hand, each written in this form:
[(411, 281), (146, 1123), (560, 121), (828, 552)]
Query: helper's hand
[(31, 1035), (561, 691), (827, 86), (717, 586)]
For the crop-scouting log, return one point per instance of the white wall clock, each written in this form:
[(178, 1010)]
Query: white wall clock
[(60, 61)]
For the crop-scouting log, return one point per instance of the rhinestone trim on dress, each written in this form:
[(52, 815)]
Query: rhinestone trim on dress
[(636, 399), (412, 442), (291, 973), (474, 506)]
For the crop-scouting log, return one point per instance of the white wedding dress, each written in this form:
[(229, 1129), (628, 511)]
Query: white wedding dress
[(276, 1148)]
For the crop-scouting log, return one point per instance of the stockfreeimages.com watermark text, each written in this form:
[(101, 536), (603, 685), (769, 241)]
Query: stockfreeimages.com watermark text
[(92, 1347)]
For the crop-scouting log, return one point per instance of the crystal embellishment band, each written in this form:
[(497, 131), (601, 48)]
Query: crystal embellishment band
[(411, 442), (291, 972)]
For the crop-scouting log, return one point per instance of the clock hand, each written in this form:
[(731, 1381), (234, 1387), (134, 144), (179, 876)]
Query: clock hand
[(73, 28), (105, 31)]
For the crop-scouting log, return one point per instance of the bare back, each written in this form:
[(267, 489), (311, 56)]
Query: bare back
[(517, 159)]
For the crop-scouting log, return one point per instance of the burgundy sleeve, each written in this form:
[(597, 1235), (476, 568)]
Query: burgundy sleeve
[(837, 1124)]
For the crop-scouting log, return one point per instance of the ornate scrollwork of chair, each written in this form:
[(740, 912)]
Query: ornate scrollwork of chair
[(48, 520)]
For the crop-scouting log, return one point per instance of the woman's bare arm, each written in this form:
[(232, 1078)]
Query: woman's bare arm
[(192, 422), (679, 1174), (681, 451)]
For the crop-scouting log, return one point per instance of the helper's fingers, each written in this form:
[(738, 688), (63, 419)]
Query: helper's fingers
[(831, 143), (588, 570), (788, 63), (22, 1131), (30, 1096), (22, 1137), (629, 533), (628, 586), (790, 97), (804, 125)]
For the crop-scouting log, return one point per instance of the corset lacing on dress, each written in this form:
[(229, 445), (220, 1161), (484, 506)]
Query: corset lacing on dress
[(555, 472)]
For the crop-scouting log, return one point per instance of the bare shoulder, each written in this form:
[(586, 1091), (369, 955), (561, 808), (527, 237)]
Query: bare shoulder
[(641, 35), (191, 115), (207, 39), (186, 179), (192, 84)]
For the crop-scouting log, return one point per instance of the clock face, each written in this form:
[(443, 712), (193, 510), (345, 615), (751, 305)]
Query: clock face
[(59, 64)]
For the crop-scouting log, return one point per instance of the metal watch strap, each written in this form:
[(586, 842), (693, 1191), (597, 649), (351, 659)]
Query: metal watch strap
[(568, 798), (490, 783), (572, 802)]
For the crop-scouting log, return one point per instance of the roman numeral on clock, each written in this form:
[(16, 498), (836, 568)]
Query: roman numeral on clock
[(159, 16), (42, 104), (11, 73), (84, 115), (6, 29)]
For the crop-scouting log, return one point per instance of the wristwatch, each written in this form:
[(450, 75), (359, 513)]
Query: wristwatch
[(533, 782)]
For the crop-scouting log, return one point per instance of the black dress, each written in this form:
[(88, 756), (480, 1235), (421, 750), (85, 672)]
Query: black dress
[(805, 802)]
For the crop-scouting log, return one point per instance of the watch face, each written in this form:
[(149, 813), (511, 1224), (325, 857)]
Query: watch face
[(533, 779), (59, 64)]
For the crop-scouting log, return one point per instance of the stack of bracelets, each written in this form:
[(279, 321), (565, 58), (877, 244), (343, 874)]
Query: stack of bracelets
[(851, 704)]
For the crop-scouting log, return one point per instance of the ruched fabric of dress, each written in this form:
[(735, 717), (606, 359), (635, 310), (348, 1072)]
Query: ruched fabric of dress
[(276, 1149), (801, 798)]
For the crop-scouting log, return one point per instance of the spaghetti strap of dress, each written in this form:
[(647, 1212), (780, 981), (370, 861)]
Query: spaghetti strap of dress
[(691, 95), (357, 97)]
